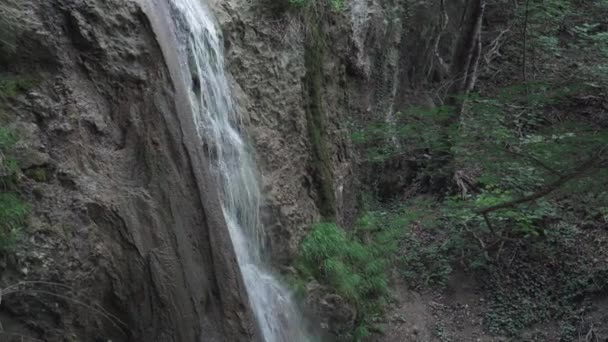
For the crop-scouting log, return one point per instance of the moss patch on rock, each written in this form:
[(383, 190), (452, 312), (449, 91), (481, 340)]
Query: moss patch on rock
[(315, 116)]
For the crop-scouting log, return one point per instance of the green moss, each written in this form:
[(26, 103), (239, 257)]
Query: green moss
[(315, 116), (7, 139), (39, 174), (11, 86)]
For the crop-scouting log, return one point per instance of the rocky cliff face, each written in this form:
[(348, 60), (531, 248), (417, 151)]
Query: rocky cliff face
[(303, 80), (125, 214), (368, 71), (124, 217)]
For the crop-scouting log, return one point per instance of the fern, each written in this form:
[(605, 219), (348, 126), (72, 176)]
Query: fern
[(355, 270)]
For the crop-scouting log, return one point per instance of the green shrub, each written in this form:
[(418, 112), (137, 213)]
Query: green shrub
[(355, 264), (354, 269), (424, 260)]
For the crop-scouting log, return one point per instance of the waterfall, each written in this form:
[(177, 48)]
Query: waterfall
[(202, 65)]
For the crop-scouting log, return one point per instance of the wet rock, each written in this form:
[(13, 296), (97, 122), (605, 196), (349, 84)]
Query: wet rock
[(333, 313)]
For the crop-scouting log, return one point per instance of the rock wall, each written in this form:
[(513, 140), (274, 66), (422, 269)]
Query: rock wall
[(304, 79), (368, 72), (124, 217)]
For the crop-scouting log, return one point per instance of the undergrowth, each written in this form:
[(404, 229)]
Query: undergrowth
[(552, 279), (356, 264), (354, 269), (542, 275), (13, 210), (12, 85)]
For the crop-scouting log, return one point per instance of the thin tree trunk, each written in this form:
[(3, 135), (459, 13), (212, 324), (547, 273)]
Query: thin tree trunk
[(463, 74), (466, 56), (525, 48)]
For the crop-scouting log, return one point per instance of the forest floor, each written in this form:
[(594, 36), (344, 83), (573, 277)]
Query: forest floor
[(553, 292)]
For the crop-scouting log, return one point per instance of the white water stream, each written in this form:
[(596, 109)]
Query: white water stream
[(216, 123)]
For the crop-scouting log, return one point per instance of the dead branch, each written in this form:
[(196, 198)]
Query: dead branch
[(494, 47), (482, 244)]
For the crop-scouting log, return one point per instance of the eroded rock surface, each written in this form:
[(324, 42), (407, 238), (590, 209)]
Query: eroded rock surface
[(122, 213)]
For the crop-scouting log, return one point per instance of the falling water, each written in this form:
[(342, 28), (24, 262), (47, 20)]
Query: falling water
[(216, 123)]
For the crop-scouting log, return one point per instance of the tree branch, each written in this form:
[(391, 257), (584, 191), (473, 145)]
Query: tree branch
[(536, 161), (546, 190)]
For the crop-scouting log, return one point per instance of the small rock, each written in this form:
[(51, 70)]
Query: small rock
[(415, 330), (289, 270)]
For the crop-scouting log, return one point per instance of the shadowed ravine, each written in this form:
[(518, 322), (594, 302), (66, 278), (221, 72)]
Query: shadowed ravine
[(202, 69)]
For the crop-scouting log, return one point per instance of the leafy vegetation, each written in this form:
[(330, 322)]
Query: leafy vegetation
[(12, 209), (527, 162), (355, 264), (526, 180), (13, 85), (528, 292), (354, 269)]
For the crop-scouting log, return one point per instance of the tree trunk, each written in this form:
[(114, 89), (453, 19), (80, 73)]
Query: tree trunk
[(463, 76), (466, 57)]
